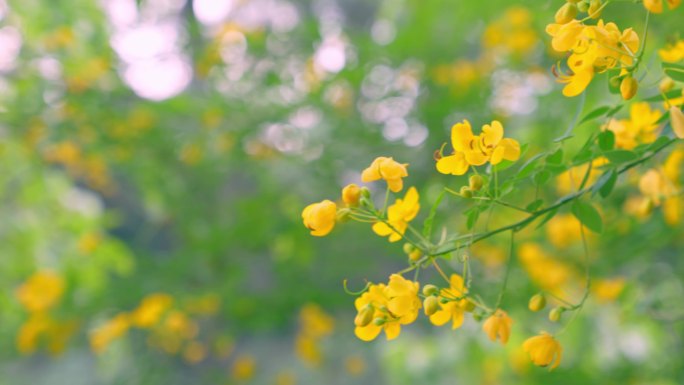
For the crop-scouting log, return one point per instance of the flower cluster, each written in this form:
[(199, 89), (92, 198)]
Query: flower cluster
[(476, 150), (594, 49)]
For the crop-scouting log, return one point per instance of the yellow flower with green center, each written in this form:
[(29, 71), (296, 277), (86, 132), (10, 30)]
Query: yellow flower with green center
[(544, 350), (386, 307), (498, 326), (320, 217), (41, 291), (389, 170), (476, 150), (398, 216), (454, 310)]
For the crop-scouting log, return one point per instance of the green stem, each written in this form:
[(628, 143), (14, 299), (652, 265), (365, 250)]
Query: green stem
[(509, 263)]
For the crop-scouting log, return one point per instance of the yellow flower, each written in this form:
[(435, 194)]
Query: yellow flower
[(41, 291), (389, 170), (111, 330), (454, 309), (30, 332), (243, 368), (320, 217), (544, 350), (194, 352), (563, 230), (386, 307), (315, 322), (672, 53), (607, 290), (351, 194), (656, 6), (641, 128), (549, 273), (398, 216), (564, 36), (498, 325), (150, 310), (476, 150)]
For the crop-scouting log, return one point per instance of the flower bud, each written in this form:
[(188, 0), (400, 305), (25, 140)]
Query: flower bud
[(555, 314), (415, 255), (408, 248), (431, 305), (628, 87), (667, 84), (429, 290), (566, 13), (583, 6), (594, 10), (351, 194), (677, 121), (615, 82), (466, 192), (365, 192), (469, 305), (537, 302), (365, 316), (475, 182), (443, 300), (379, 321)]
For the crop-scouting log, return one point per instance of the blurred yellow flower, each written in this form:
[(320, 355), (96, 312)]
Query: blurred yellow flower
[(642, 126), (103, 336), (243, 368), (607, 290), (656, 6), (389, 170), (673, 52), (544, 350), (150, 310), (320, 217), (355, 365), (194, 352), (563, 230), (315, 322), (498, 326), (398, 216), (41, 291)]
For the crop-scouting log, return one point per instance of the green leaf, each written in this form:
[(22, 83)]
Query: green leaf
[(606, 140), (473, 215), (534, 206), (620, 156), (604, 186), (556, 157), (615, 110), (675, 71), (585, 154), (529, 166), (595, 114), (548, 217), (669, 94), (588, 215), (542, 177)]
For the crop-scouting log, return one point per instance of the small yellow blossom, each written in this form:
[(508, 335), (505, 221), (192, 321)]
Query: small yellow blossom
[(453, 310), (550, 274), (641, 128), (476, 150), (41, 291), (111, 330), (389, 306), (656, 6), (544, 350), (398, 216), (320, 217), (150, 310), (351, 194), (563, 230), (498, 325), (389, 170), (195, 352), (315, 322), (243, 368), (607, 290), (672, 53)]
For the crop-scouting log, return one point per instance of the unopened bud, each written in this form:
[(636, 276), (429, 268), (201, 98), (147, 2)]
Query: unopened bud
[(537, 302), (555, 314), (431, 305), (475, 182), (583, 6), (594, 10), (466, 192), (379, 321), (667, 84), (566, 13), (408, 248), (469, 305), (351, 194), (615, 81), (365, 192), (415, 255), (677, 121), (365, 316), (628, 87), (430, 290)]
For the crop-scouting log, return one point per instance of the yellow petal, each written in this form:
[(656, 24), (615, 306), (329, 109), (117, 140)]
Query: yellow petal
[(453, 164), (382, 229), (440, 317), (392, 330), (368, 332), (461, 136), (492, 134), (677, 121), (395, 185)]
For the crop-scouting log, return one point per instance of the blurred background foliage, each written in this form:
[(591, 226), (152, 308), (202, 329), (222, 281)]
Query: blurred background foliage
[(155, 156)]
